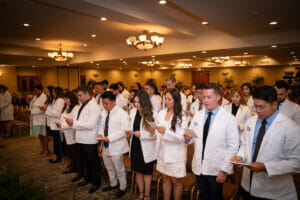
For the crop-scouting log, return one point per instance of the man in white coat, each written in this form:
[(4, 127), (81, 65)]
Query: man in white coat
[(286, 107), (120, 100), (155, 100), (217, 141), (114, 142), (99, 88), (6, 111), (86, 124), (270, 148)]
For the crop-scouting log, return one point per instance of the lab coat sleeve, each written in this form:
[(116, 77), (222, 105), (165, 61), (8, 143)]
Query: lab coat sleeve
[(88, 123), (289, 164), (232, 141), (297, 116), (5, 101), (247, 116), (177, 137), (124, 119), (55, 111), (36, 110), (146, 135)]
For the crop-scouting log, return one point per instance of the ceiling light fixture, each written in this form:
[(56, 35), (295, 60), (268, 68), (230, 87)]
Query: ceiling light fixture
[(220, 59), (93, 35), (204, 52), (85, 45), (162, 2), (60, 55), (274, 46), (103, 18), (273, 23), (292, 52), (38, 39), (245, 53), (145, 41), (40, 59), (26, 25), (204, 23)]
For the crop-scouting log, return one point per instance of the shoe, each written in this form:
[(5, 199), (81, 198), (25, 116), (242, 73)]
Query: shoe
[(108, 188), (69, 171), (120, 193), (76, 178), (94, 188), (83, 183)]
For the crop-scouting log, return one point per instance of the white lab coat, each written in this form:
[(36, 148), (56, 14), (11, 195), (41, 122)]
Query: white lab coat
[(68, 131), (54, 112), (156, 103), (280, 152), (250, 104), (100, 103), (221, 144), (195, 106), (88, 123), (125, 94), (38, 115), (6, 110), (170, 146), (242, 115), (291, 110), (148, 141), (118, 123), (224, 102), (121, 101)]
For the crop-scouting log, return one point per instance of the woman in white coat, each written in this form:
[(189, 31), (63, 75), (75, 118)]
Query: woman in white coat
[(38, 118), (239, 109), (6, 111), (142, 142), (170, 148), (247, 95)]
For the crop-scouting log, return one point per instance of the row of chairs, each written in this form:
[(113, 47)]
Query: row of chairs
[(21, 122)]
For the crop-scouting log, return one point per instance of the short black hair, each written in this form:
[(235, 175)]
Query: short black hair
[(114, 86), (38, 87), (199, 86), (248, 86), (282, 84), (100, 83), (213, 86), (266, 93), (85, 89), (109, 95), (105, 81)]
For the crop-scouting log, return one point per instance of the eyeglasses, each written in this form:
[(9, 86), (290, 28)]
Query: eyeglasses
[(259, 107)]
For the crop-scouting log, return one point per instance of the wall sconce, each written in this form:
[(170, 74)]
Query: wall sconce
[(96, 75)]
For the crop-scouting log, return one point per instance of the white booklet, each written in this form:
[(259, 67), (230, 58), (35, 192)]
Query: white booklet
[(239, 163), (191, 132), (152, 124)]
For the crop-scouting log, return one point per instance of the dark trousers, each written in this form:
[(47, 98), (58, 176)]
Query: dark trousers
[(247, 196), (90, 158), (209, 188), (58, 147), (76, 162)]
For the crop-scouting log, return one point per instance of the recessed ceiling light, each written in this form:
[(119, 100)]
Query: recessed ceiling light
[(120, 68), (103, 18), (92, 62), (274, 46), (153, 56), (97, 64), (266, 56), (245, 53), (294, 56), (162, 2), (38, 39), (204, 52), (26, 25), (151, 31), (292, 52), (40, 59), (121, 59), (273, 23), (33, 66), (296, 59), (204, 23), (85, 45), (68, 64), (93, 35), (194, 56)]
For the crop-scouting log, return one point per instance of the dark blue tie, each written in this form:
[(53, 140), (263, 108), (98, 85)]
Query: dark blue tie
[(200, 105), (106, 128), (205, 132)]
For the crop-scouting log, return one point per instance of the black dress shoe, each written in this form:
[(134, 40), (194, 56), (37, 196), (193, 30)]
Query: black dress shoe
[(94, 188), (108, 188), (69, 171), (83, 183), (120, 193), (76, 178)]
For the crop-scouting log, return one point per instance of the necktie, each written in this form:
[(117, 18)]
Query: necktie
[(200, 106), (81, 108), (106, 128), (205, 132), (259, 139), (99, 99)]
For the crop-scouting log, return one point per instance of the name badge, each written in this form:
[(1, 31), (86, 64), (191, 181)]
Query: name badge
[(248, 128), (195, 123)]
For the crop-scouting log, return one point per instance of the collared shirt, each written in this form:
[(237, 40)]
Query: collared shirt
[(215, 111), (258, 125)]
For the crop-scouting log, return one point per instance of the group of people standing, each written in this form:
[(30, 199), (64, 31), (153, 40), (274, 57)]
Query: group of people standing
[(254, 130)]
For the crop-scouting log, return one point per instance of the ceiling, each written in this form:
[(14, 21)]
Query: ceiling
[(234, 27)]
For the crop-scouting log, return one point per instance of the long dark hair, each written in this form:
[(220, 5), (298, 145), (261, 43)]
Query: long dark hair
[(146, 108), (177, 108), (59, 92), (73, 101), (49, 98)]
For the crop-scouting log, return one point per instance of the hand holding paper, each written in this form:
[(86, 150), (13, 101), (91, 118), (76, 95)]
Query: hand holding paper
[(152, 124), (191, 132)]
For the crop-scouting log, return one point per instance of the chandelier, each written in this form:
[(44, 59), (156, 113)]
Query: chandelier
[(60, 55), (220, 59), (145, 41)]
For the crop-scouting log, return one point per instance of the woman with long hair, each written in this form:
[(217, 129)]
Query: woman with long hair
[(53, 111), (238, 108), (142, 143), (170, 147), (247, 95)]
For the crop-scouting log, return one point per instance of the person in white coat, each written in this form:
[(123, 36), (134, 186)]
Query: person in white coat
[(99, 89), (86, 123), (170, 148), (198, 103), (286, 107), (54, 112), (123, 90), (239, 109), (6, 111), (217, 141), (247, 95), (38, 118), (120, 100), (114, 142), (155, 99), (142, 142), (270, 148)]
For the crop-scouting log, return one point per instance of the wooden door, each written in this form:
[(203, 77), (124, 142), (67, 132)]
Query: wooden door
[(26, 83), (200, 77), (68, 77)]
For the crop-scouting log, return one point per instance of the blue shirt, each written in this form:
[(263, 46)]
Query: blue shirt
[(257, 127), (215, 111)]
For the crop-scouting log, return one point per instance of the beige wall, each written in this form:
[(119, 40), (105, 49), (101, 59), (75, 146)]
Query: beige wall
[(129, 77)]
